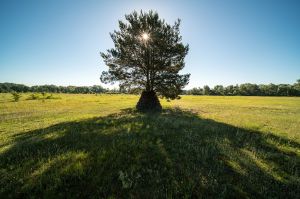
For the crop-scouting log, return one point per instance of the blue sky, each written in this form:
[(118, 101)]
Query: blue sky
[(231, 41)]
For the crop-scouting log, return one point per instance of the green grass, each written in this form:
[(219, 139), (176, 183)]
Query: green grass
[(98, 146)]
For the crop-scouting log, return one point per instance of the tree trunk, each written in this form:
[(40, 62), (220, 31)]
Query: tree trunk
[(148, 102)]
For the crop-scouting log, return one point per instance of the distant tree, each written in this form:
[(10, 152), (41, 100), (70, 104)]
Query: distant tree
[(296, 88), (82, 89), (196, 91), (97, 89), (148, 55), (236, 90), (206, 90), (135, 91), (229, 90), (218, 90), (284, 90), (249, 89), (272, 89)]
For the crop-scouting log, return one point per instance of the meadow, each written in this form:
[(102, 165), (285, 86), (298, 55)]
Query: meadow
[(99, 146)]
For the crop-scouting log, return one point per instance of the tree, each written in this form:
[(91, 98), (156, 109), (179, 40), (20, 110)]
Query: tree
[(296, 88), (249, 89), (206, 90), (229, 90), (196, 91), (284, 90), (148, 55), (218, 90), (271, 90)]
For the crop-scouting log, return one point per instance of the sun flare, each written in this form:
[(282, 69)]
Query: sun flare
[(145, 36)]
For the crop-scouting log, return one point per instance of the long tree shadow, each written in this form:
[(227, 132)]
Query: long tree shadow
[(175, 154)]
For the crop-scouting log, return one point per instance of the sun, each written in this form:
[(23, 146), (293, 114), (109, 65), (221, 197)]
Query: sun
[(145, 36)]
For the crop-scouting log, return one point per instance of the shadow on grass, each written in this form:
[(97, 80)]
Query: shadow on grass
[(172, 154)]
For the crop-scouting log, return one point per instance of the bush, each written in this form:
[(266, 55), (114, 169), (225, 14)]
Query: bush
[(33, 96), (52, 97), (16, 96)]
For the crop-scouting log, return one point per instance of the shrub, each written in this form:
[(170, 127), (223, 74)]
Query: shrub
[(33, 96), (16, 96), (52, 97)]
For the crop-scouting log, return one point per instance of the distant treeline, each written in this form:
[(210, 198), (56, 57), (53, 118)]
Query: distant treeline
[(11, 87), (248, 90), (241, 90)]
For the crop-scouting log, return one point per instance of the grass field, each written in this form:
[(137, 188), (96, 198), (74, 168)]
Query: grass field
[(98, 146)]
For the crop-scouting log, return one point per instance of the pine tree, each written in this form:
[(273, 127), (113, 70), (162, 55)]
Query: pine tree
[(148, 54)]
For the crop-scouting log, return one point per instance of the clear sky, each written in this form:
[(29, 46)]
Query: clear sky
[(231, 41)]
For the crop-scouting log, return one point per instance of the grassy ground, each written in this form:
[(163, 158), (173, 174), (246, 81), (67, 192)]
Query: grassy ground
[(88, 146)]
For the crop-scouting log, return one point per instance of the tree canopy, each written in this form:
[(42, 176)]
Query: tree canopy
[(148, 54)]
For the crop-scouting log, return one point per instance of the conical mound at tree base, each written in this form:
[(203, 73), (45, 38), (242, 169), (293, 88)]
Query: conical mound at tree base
[(148, 102)]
